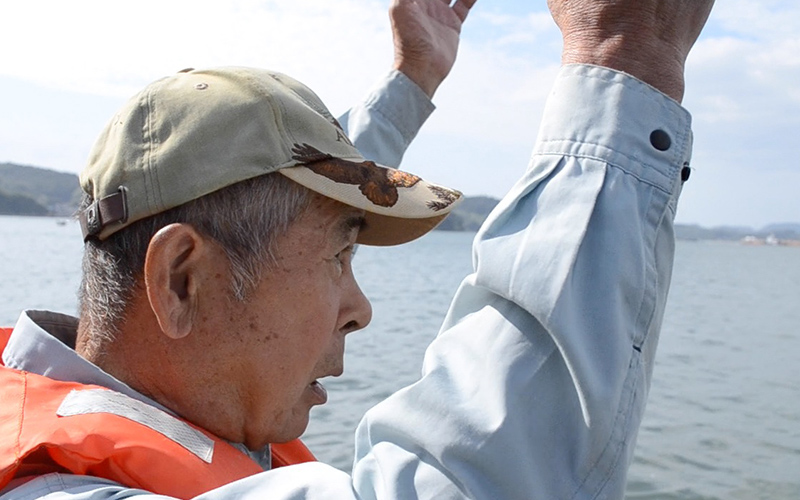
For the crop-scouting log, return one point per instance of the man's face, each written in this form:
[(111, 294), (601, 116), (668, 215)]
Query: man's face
[(290, 331)]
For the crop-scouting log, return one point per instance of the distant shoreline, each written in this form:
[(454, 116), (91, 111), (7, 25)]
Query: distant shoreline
[(40, 192), (747, 240)]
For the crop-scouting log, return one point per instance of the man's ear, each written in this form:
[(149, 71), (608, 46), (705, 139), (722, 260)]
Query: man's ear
[(171, 277)]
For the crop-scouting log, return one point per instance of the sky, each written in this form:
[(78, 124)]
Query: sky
[(66, 67)]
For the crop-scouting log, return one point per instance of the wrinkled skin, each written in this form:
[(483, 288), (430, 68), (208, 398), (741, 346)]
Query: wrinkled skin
[(649, 39)]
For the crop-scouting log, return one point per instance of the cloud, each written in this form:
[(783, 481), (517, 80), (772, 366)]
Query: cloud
[(501, 80), (114, 48), (743, 92), (71, 64), (762, 20), (744, 98), (742, 82)]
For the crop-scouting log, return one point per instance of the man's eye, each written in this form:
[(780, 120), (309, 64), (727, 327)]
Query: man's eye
[(346, 255)]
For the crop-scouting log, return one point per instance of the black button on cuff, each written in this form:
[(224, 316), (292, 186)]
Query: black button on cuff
[(685, 173), (660, 140)]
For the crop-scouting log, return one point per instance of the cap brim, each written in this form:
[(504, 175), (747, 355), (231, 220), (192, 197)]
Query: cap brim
[(399, 206)]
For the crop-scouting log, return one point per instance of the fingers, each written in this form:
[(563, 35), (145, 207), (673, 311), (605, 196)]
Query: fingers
[(461, 8)]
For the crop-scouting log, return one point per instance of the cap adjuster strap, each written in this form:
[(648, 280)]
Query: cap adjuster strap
[(103, 212)]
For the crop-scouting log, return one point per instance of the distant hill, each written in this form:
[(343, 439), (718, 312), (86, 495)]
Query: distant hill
[(469, 215), (787, 231), (781, 228), (26, 190), (17, 204)]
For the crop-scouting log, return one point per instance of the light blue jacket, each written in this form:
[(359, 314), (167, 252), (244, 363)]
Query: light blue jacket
[(536, 385)]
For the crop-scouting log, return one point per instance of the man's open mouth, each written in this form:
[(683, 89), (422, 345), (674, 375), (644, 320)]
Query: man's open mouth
[(319, 391)]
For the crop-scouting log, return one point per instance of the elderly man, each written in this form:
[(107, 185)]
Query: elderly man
[(222, 213)]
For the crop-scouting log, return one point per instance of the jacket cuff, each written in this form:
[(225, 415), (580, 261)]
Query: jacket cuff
[(601, 113)]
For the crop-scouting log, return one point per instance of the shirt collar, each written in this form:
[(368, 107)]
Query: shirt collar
[(43, 342)]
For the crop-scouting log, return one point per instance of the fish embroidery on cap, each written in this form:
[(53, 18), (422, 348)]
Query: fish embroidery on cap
[(378, 184)]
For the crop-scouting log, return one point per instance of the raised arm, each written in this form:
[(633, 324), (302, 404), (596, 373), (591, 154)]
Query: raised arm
[(426, 36), (537, 382)]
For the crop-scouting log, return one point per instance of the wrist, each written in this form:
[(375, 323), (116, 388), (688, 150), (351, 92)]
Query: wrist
[(651, 61), (421, 76)]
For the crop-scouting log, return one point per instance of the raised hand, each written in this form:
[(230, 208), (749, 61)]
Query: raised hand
[(648, 39), (426, 35)]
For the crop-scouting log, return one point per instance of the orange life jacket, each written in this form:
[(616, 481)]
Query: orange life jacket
[(35, 440)]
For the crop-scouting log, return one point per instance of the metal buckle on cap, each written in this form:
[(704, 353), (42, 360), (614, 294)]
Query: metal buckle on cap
[(93, 224), (108, 210)]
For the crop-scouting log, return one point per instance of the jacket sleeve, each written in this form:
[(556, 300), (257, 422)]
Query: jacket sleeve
[(536, 384), (383, 125)]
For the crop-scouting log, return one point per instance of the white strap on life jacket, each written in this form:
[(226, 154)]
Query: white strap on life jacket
[(84, 402)]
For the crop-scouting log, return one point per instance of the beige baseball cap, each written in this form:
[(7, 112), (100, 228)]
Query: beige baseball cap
[(190, 134)]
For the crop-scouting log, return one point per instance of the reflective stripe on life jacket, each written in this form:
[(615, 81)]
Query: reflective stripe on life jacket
[(53, 426)]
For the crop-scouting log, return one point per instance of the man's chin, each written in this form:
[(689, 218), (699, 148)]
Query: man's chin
[(293, 426), (292, 429)]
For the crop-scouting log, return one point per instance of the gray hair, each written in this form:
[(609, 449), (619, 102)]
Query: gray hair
[(246, 219)]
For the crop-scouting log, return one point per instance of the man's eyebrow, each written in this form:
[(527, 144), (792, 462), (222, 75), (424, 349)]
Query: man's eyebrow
[(353, 222)]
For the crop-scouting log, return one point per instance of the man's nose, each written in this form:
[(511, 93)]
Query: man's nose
[(356, 309)]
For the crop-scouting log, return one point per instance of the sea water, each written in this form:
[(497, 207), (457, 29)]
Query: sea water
[(723, 418)]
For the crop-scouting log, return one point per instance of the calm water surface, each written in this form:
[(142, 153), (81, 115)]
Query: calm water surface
[(723, 420)]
